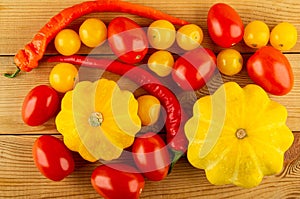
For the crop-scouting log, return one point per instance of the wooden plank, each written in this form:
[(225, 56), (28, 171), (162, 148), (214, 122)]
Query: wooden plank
[(29, 17), (14, 90), (20, 179)]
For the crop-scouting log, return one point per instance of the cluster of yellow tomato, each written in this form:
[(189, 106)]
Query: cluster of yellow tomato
[(93, 33), (256, 35)]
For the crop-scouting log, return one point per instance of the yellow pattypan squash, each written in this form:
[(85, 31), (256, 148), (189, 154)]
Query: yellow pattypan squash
[(98, 120), (238, 135)]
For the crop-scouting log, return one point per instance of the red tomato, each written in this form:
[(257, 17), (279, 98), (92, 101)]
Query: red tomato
[(270, 69), (225, 26), (116, 181), (52, 157), (127, 40), (40, 104), (151, 156), (194, 69)]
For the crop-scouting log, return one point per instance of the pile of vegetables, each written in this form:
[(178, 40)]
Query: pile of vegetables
[(237, 135)]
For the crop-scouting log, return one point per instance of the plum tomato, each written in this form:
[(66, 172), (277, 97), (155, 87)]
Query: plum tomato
[(62, 77), (116, 181), (229, 61), (189, 37), (39, 105), (93, 32), (194, 69), (53, 159), (224, 24), (151, 156), (271, 70), (67, 42), (257, 34), (161, 62), (127, 40), (161, 34), (284, 36)]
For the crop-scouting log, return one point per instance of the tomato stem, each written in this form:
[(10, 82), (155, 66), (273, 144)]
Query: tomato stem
[(9, 75)]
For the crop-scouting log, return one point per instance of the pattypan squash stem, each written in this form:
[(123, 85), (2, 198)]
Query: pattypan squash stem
[(96, 119), (241, 133)]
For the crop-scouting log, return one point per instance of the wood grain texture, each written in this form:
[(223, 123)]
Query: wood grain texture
[(10, 103), (19, 178), (20, 20), (25, 18)]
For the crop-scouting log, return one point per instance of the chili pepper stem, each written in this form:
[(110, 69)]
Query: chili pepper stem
[(176, 156), (12, 75)]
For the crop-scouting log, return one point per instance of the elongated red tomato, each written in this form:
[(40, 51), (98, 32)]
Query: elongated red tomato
[(116, 181), (194, 69), (39, 105), (270, 69), (225, 26), (52, 157), (151, 156), (127, 40)]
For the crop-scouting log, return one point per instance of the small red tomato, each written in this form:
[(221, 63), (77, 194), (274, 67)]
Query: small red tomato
[(52, 157), (40, 104), (151, 156), (116, 181), (271, 70), (225, 26), (127, 40), (194, 69)]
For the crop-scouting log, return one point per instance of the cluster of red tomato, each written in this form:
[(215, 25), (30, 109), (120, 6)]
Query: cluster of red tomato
[(191, 71)]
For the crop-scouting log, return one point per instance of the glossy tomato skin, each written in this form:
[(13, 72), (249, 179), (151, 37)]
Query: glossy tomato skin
[(151, 156), (127, 40), (116, 181), (225, 26), (53, 159), (39, 105), (194, 69), (270, 69)]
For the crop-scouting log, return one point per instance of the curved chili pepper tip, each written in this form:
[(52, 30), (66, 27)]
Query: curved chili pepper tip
[(12, 75)]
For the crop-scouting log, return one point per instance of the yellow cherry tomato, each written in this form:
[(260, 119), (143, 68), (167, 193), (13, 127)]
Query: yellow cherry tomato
[(62, 77), (93, 32), (67, 42), (161, 34), (257, 34), (229, 62), (283, 36), (161, 62), (148, 109), (189, 37)]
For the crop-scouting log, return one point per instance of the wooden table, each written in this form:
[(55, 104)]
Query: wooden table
[(19, 178)]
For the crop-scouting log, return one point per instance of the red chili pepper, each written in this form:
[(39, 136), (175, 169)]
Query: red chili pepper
[(175, 118), (26, 59)]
